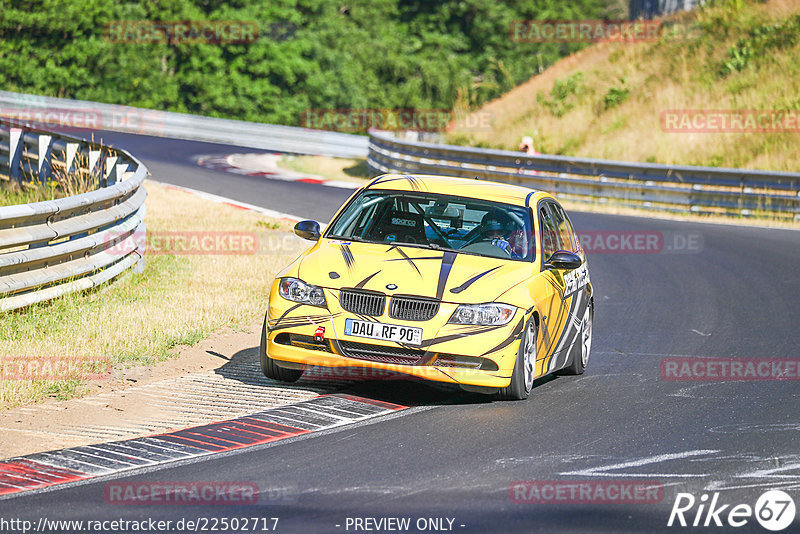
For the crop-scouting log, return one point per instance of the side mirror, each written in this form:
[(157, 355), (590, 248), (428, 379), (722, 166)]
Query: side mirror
[(563, 259), (307, 230)]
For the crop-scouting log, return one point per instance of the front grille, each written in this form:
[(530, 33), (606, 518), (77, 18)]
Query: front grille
[(413, 308), (362, 302), (380, 353)]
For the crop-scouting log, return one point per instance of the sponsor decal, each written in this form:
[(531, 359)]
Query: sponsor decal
[(575, 280), (404, 222)]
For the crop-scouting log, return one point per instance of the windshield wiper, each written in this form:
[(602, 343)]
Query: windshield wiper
[(356, 239), (434, 246)]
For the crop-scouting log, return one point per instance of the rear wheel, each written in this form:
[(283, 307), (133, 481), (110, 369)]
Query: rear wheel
[(524, 368), (268, 365), (580, 356)]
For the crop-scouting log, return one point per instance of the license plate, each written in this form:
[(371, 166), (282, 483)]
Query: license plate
[(385, 332)]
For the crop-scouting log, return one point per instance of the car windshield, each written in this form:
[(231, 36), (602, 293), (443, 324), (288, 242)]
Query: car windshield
[(437, 221)]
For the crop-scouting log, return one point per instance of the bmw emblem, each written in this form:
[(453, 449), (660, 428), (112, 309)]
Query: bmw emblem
[(391, 287)]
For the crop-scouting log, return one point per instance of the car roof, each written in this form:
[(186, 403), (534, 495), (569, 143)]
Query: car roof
[(465, 187)]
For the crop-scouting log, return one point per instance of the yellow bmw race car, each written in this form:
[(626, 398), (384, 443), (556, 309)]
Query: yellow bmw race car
[(476, 283)]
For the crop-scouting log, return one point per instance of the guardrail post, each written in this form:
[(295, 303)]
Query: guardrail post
[(45, 155), (110, 168), (15, 154), (96, 162), (117, 173), (70, 153)]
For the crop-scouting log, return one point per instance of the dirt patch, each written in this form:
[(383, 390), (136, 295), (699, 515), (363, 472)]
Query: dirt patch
[(216, 379)]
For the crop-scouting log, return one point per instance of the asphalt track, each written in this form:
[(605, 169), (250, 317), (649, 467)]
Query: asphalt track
[(455, 455)]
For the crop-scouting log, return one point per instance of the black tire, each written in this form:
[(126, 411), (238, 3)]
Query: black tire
[(522, 382), (583, 346), (268, 365)]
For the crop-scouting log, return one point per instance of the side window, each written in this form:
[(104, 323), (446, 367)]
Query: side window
[(549, 236), (563, 227)]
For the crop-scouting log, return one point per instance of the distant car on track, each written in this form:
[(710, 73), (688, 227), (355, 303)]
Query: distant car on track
[(475, 283)]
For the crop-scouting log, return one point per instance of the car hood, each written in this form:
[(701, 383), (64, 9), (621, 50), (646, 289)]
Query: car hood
[(448, 276)]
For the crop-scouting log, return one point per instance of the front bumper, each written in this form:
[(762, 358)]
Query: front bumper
[(458, 354)]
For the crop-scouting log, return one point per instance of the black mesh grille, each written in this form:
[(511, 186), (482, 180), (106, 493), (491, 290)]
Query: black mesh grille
[(302, 341), (362, 302), (413, 308), (380, 353)]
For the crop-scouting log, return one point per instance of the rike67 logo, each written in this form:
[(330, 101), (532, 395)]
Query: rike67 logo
[(774, 510)]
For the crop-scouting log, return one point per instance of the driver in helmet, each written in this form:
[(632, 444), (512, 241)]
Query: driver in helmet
[(497, 229)]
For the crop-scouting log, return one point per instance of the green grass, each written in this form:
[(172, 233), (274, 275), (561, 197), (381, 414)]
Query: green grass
[(141, 319)]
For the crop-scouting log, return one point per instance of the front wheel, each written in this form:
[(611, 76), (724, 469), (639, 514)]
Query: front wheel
[(268, 365), (524, 368)]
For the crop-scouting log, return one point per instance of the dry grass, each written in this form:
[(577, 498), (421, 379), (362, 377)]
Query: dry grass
[(343, 169), (138, 320), (665, 75)]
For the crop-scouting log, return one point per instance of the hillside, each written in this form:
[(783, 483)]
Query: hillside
[(613, 100)]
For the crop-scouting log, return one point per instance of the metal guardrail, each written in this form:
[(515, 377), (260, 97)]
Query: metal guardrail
[(51, 248), (674, 188), (42, 110), (648, 9)]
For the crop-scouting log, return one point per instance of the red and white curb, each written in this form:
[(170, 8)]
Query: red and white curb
[(265, 165), (42, 470)]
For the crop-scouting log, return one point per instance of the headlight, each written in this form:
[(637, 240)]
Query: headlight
[(483, 314), (298, 291)]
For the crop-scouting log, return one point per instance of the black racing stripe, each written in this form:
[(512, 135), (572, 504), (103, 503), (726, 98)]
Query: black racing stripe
[(562, 310), (294, 322), (567, 323), (413, 181), (448, 258), (451, 337), (387, 179), (362, 283), (515, 334), (347, 254), (279, 319), (406, 258), (472, 280)]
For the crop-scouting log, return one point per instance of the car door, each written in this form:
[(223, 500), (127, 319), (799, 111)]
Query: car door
[(554, 311), (573, 296)]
